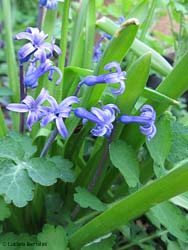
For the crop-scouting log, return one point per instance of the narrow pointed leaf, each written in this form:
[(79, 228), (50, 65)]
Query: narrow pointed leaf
[(174, 183), (139, 48), (116, 50), (134, 84)]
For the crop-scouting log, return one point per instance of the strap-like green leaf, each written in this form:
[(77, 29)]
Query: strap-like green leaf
[(116, 50), (174, 183), (139, 48)]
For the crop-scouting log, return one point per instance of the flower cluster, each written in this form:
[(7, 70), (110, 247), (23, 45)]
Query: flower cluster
[(46, 114), (37, 51), (49, 4), (102, 117)]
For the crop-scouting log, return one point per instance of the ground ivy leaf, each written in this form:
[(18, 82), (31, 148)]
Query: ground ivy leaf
[(10, 149), (15, 183), (160, 144), (86, 199), (26, 143), (55, 237), (42, 171), (124, 158), (179, 149), (64, 166), (4, 210), (178, 226)]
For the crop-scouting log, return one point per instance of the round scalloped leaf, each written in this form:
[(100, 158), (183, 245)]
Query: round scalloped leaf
[(42, 171), (55, 238), (15, 183)]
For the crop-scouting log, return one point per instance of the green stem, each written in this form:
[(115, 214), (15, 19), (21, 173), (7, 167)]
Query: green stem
[(172, 28), (63, 46), (22, 96), (40, 16), (49, 142), (153, 236), (147, 23), (11, 60), (3, 128), (16, 220)]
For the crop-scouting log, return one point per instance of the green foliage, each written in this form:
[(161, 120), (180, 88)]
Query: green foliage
[(86, 199), (123, 157), (54, 237), (17, 242), (64, 166), (134, 177), (134, 205), (18, 171), (178, 226), (4, 210), (160, 146), (178, 150)]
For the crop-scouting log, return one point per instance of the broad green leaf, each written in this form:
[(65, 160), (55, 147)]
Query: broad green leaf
[(42, 171), (16, 147), (85, 199), (179, 149), (178, 226), (25, 142), (120, 213), (124, 158), (17, 171), (115, 51), (4, 210), (10, 149), (64, 166), (55, 238), (105, 243), (15, 183), (160, 144)]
